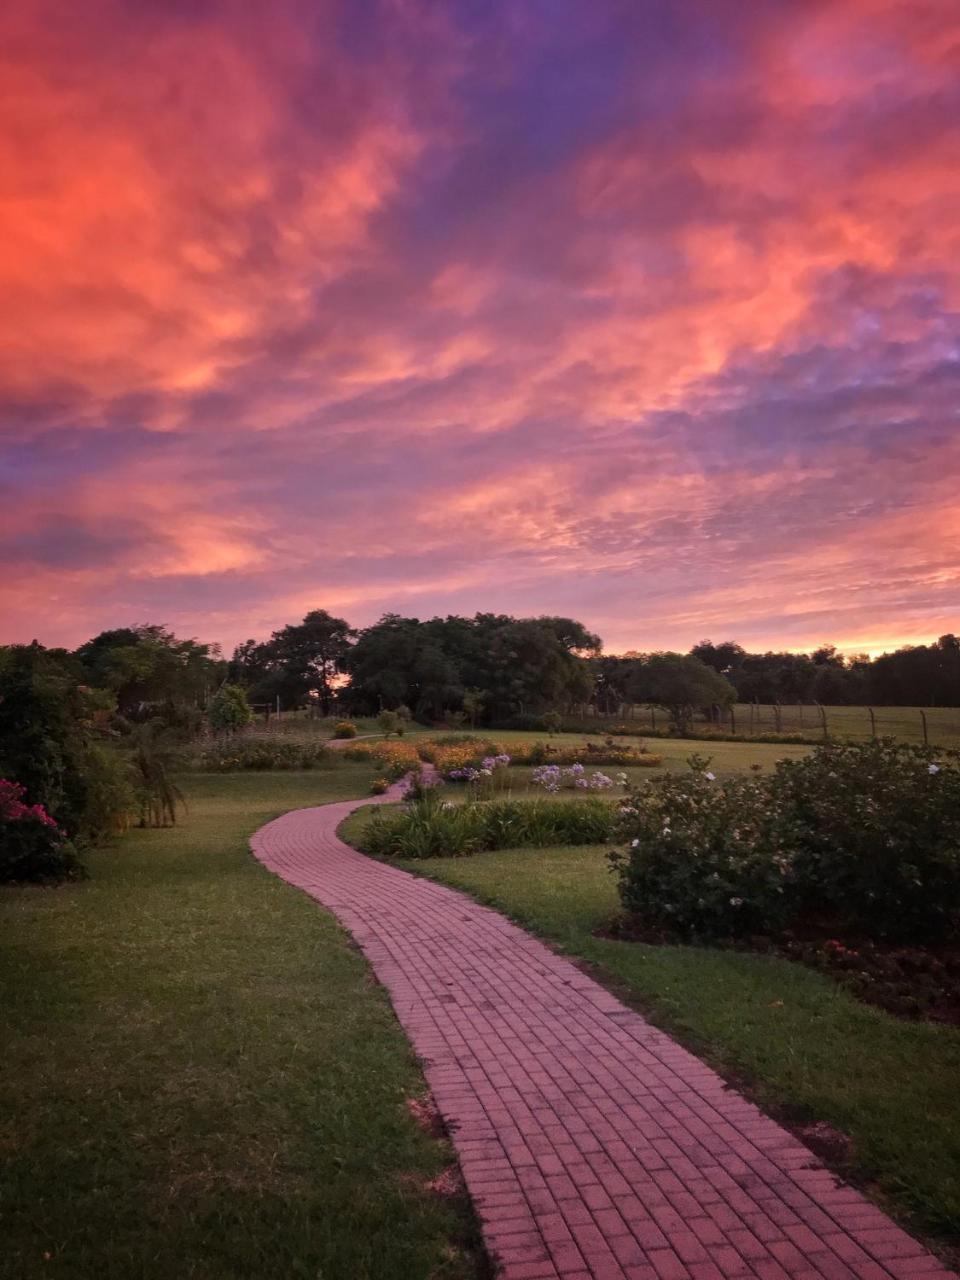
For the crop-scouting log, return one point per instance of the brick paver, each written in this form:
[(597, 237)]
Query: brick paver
[(594, 1147)]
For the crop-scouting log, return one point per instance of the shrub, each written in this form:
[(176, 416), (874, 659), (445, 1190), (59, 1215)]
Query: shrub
[(877, 835), (344, 729), (390, 722), (704, 857), (379, 786), (859, 837), (552, 722), (430, 827), (32, 846), (553, 778), (229, 709)]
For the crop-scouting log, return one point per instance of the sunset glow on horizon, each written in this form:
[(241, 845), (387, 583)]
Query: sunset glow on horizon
[(642, 313)]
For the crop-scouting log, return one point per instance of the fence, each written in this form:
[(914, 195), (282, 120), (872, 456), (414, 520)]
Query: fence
[(939, 726)]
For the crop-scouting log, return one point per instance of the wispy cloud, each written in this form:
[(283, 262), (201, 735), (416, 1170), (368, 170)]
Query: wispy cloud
[(643, 313)]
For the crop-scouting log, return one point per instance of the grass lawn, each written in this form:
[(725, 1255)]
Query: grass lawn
[(803, 1047), (200, 1077)]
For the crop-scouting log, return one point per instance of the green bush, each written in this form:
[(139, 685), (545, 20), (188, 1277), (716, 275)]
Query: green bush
[(229, 709), (428, 826), (239, 754), (858, 838), (877, 831), (704, 857), (344, 729)]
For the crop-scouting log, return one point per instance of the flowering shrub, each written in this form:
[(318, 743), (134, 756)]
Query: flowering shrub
[(864, 836), (554, 778), (705, 858), (344, 729), (32, 846), (379, 786), (430, 827), (488, 775), (877, 835)]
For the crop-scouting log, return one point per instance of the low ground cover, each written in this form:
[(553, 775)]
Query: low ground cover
[(199, 1078), (805, 1047)]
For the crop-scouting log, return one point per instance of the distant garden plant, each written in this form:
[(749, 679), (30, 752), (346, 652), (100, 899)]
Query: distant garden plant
[(862, 839), (229, 709), (240, 753), (344, 729)]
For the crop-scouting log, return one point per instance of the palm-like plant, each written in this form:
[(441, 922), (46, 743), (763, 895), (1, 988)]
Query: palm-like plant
[(154, 758)]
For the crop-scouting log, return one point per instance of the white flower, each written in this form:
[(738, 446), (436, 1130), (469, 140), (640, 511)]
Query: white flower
[(634, 844), (736, 902), (711, 777), (933, 768)]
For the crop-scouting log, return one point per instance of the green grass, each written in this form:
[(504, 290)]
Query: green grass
[(799, 1043), (199, 1078)]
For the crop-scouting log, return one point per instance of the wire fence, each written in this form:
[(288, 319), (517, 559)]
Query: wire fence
[(938, 726)]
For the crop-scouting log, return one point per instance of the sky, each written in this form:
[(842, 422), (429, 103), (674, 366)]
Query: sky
[(645, 312)]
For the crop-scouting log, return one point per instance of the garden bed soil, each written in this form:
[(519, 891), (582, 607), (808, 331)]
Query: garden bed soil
[(918, 982)]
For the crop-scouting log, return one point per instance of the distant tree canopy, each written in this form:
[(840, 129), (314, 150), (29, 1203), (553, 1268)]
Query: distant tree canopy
[(504, 666), (914, 676), (298, 662)]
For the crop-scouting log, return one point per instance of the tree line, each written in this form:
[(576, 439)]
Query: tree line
[(488, 668)]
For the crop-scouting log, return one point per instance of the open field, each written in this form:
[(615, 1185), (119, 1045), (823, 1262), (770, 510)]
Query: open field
[(804, 1047), (199, 1078)]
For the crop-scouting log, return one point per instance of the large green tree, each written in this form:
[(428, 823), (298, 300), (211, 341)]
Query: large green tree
[(298, 664)]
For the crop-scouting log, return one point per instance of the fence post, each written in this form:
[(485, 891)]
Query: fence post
[(752, 708), (823, 716), (873, 723), (653, 719), (778, 717), (733, 720), (923, 719), (800, 705)]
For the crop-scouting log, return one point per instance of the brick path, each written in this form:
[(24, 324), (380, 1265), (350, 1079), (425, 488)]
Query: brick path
[(593, 1145)]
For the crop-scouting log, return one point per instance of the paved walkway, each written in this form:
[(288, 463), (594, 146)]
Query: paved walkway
[(594, 1147)]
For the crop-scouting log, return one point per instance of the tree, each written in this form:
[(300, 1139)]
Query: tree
[(724, 657), (298, 663), (680, 684), (151, 671)]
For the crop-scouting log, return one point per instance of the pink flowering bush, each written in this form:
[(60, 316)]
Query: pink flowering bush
[(32, 846)]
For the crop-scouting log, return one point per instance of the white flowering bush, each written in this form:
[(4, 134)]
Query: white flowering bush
[(877, 836), (858, 837), (705, 858)]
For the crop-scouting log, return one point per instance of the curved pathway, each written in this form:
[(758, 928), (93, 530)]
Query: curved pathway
[(594, 1147)]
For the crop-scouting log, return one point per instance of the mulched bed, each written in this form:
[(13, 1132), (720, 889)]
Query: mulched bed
[(910, 981)]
